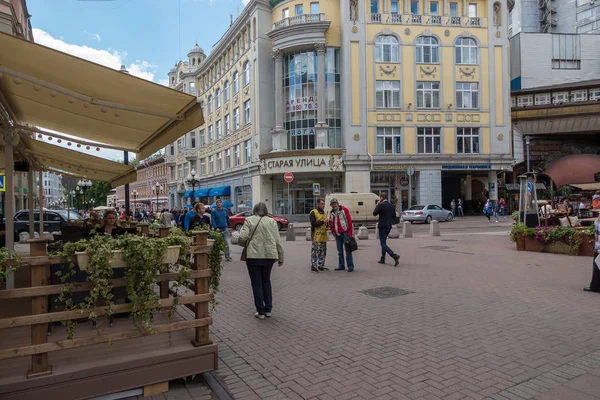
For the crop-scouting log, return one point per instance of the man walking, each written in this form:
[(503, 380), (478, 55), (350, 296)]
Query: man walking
[(387, 213), (340, 225), (220, 223), (318, 234)]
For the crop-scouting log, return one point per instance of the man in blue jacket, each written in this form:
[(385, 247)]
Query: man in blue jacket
[(387, 214), (219, 219)]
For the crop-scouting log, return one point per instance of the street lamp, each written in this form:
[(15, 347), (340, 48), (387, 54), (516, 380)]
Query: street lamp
[(527, 140), (84, 185), (191, 179), (157, 189), (134, 193)]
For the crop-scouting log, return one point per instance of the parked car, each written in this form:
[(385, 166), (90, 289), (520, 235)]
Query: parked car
[(427, 213), (53, 220), (237, 220)]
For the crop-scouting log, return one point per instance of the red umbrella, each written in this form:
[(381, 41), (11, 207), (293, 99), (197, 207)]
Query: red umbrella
[(575, 168)]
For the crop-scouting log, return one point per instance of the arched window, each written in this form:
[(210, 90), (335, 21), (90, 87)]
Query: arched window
[(226, 91), (466, 51), (246, 73), (236, 83), (428, 50), (386, 49), (218, 98), (209, 105)]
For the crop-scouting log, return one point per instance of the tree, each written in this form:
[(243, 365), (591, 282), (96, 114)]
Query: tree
[(98, 191)]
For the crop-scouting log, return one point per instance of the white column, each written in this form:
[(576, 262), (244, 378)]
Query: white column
[(41, 196), (493, 185), (465, 9), (9, 198), (322, 129), (406, 4), (30, 189), (446, 11), (279, 138), (468, 188), (425, 7)]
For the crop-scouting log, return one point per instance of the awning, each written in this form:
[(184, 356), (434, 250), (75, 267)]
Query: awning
[(187, 194), (43, 87), (574, 169), (70, 162), (514, 187), (220, 191), (587, 186), (202, 192)]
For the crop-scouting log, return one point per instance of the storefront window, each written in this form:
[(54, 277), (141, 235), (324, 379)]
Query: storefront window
[(301, 200), (243, 198)]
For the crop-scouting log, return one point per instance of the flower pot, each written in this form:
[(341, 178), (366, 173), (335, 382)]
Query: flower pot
[(521, 244), (534, 245), (144, 229), (163, 232), (587, 246), (116, 261)]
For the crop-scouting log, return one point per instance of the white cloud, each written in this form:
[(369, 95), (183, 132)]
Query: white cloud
[(164, 82), (245, 2), (93, 36), (109, 57)]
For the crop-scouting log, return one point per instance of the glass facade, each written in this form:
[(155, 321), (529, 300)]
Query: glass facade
[(300, 79)]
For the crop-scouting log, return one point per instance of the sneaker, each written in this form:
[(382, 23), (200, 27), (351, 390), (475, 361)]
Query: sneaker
[(396, 260), (227, 258), (381, 262), (259, 316), (268, 314), (314, 270), (323, 269)]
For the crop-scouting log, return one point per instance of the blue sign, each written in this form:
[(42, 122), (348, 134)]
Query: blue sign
[(316, 189), (492, 186), (466, 167), (529, 187), (2, 183)]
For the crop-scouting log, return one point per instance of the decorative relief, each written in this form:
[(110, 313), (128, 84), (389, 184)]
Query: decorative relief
[(277, 54), (210, 118), (428, 71), (409, 117), (320, 48), (235, 99), (218, 113), (388, 70), (498, 34), (355, 29), (356, 137), (500, 137), (246, 90), (467, 72), (407, 32), (468, 118), (448, 117), (429, 117), (447, 33), (388, 117)]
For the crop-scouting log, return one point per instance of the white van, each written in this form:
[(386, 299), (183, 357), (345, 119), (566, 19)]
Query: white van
[(360, 206)]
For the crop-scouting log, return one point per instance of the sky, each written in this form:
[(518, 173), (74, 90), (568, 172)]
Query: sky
[(147, 36)]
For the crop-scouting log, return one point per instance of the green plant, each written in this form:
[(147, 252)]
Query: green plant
[(519, 231), (515, 216), (564, 234), (9, 262), (215, 264)]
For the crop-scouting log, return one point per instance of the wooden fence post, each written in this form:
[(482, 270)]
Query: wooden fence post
[(201, 285), (39, 305)]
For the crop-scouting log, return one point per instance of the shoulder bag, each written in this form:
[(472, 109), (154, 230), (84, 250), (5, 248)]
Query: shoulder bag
[(245, 250)]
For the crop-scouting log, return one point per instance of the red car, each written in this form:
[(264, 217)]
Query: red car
[(237, 221)]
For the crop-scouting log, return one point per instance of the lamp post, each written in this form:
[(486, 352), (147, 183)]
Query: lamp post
[(157, 189), (84, 185), (527, 141), (191, 179), (134, 193)]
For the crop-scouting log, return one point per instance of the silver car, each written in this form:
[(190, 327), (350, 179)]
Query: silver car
[(427, 213)]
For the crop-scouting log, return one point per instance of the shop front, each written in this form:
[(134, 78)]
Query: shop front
[(395, 181), (236, 189)]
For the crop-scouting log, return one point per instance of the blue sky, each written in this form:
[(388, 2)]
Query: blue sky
[(142, 34)]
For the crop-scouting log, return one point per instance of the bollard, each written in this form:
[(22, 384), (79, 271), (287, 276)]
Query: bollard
[(47, 236), (291, 233), (235, 237), (394, 233), (23, 237), (308, 235), (363, 233), (407, 229), (36, 235), (377, 231), (434, 228)]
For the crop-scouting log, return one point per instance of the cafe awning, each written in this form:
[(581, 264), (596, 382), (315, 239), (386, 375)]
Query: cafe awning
[(220, 191), (45, 88), (587, 186), (188, 194), (202, 192)]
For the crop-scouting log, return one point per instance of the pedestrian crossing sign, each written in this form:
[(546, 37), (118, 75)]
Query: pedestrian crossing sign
[(2, 183), (316, 189)]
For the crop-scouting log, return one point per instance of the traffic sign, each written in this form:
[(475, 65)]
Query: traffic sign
[(410, 171), (404, 182), (288, 177), (529, 187), (316, 189), (2, 183)]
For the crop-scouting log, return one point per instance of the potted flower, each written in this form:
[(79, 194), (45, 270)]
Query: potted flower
[(517, 235), (535, 240)]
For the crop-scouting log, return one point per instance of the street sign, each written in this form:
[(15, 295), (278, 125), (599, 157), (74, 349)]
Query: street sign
[(316, 189), (288, 177), (404, 182), (410, 171), (2, 183), (529, 187)]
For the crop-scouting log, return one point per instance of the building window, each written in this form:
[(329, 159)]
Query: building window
[(386, 49), (595, 94), (579, 95), (211, 137), (192, 88), (434, 8), (247, 73), (299, 9), (414, 7), (472, 10), (560, 97), (542, 99), (247, 112), (394, 7), (467, 140), (248, 151), (427, 50), (186, 169), (566, 51), (180, 172), (218, 98), (202, 138), (524, 101), (285, 13), (374, 6), (387, 94), (428, 140), (513, 101), (454, 9), (389, 141), (236, 83), (193, 140), (172, 149), (219, 161), (226, 91), (236, 119), (228, 158), (211, 164), (466, 51), (210, 104), (179, 146), (314, 7), (227, 125), (467, 95), (428, 94), (219, 131), (172, 173), (203, 166), (237, 155)]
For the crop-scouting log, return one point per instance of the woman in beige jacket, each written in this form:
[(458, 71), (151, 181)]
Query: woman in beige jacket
[(260, 236)]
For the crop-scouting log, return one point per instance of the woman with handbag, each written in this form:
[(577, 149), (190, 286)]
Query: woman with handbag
[(262, 247)]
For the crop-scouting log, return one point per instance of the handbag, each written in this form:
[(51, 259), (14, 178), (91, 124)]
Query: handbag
[(350, 244), (245, 250)]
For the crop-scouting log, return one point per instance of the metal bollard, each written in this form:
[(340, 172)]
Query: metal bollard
[(434, 228), (235, 237), (407, 229), (291, 233), (307, 235), (377, 231), (363, 233), (394, 233)]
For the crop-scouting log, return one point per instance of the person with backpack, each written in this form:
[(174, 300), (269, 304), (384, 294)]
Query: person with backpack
[(387, 213), (318, 234)]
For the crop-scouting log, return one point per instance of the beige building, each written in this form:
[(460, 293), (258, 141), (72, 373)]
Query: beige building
[(151, 180)]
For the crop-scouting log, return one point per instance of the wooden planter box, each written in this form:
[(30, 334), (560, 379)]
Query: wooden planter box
[(521, 244), (144, 229), (557, 247), (117, 261), (587, 246), (534, 245)]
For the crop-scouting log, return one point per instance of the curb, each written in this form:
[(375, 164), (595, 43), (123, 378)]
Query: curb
[(214, 385)]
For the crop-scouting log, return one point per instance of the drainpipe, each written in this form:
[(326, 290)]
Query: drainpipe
[(371, 157)]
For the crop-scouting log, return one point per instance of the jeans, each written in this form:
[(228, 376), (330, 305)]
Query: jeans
[(383, 234), (453, 211), (260, 278), (460, 211), (225, 234), (339, 241)]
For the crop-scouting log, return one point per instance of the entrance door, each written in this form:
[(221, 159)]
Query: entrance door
[(403, 199)]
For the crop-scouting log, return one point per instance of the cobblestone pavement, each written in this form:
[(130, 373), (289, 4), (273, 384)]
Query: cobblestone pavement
[(482, 321)]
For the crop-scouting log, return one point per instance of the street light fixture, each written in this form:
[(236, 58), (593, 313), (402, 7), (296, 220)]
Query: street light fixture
[(157, 189), (527, 141), (192, 180), (134, 193), (84, 185)]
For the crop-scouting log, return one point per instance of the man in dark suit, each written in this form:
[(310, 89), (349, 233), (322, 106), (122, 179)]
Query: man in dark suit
[(387, 214)]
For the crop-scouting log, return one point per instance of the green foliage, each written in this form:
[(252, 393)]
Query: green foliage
[(520, 231), (515, 216), (9, 262), (564, 191), (215, 263)]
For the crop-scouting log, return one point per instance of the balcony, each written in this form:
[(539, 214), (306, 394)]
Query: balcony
[(475, 21), (455, 21), (170, 160), (376, 18), (435, 20), (415, 19), (299, 20), (395, 19)]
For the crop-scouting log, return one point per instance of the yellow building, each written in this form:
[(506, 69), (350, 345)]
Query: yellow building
[(417, 88)]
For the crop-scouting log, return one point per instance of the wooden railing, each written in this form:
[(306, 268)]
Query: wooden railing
[(39, 262)]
